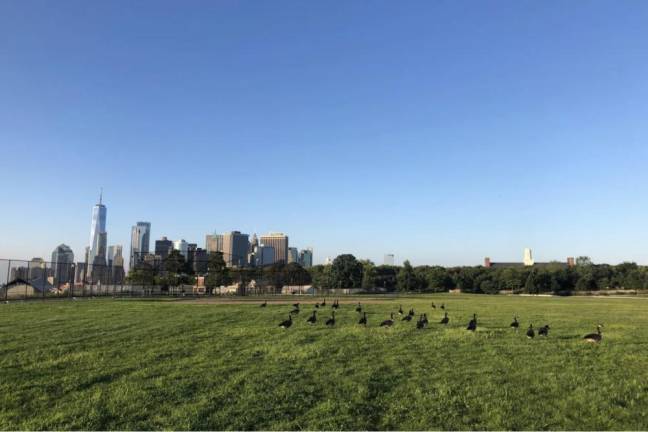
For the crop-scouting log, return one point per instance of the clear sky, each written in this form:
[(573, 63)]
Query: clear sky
[(441, 131)]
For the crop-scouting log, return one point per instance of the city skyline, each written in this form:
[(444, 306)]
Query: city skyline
[(441, 132)]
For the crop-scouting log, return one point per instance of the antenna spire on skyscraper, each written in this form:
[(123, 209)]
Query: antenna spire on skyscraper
[(100, 195)]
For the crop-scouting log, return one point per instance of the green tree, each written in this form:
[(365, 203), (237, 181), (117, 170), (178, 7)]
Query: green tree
[(346, 272), (407, 279), (368, 274), (217, 272), (438, 279), (143, 274)]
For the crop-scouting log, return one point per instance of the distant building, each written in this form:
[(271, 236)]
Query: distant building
[(214, 242), (140, 239), (389, 259), (182, 246), (113, 251), (98, 234), (328, 261), (235, 249), (528, 261), (293, 255), (279, 242), (254, 242), (264, 255), (306, 258), (200, 261), (163, 247), (63, 263)]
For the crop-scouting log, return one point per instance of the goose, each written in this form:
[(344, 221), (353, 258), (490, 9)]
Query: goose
[(544, 330), (388, 322), (442, 306), (445, 320), (515, 324), (296, 305), (265, 303), (411, 312), (358, 308), (595, 337), (336, 305), (420, 323), (425, 319), (294, 311), (400, 310), (407, 317), (324, 303), (363, 320), (433, 305), (331, 321), (313, 318), (317, 305), (287, 323), (530, 332), (472, 325)]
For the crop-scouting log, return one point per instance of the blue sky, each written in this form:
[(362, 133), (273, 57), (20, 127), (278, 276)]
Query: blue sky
[(440, 131)]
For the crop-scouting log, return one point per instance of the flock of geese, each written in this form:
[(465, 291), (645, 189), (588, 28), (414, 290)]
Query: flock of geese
[(422, 320)]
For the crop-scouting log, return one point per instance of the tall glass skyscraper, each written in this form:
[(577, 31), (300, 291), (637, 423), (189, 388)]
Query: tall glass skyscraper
[(140, 242), (98, 234)]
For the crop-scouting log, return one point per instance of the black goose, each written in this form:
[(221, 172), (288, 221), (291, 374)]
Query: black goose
[(296, 305), (530, 332), (336, 304), (425, 319), (294, 311), (400, 310), (472, 325), (515, 324), (388, 322), (411, 312), (287, 323), (324, 303), (358, 308), (317, 305), (420, 323), (313, 318), (331, 321), (363, 320), (544, 330), (445, 320), (433, 305), (595, 337), (407, 317), (442, 306), (265, 303)]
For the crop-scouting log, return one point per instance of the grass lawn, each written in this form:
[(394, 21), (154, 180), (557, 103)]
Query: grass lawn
[(137, 364)]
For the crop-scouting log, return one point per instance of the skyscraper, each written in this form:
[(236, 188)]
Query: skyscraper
[(181, 246), (163, 247), (306, 258), (235, 249), (214, 242), (293, 255), (279, 242), (113, 251), (63, 261), (140, 240), (98, 234)]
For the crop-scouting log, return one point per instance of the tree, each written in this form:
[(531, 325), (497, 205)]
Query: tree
[(530, 286), (583, 261), (275, 276), (368, 274), (217, 272), (143, 274), (346, 272), (407, 279), (438, 279)]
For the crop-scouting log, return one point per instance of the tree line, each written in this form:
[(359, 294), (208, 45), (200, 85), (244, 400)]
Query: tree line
[(348, 272)]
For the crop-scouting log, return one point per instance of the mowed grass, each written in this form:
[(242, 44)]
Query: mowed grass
[(124, 364)]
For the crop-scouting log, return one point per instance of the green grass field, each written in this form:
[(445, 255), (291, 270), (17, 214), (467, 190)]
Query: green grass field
[(127, 364)]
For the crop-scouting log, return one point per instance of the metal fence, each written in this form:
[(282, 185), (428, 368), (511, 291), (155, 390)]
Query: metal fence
[(39, 279)]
